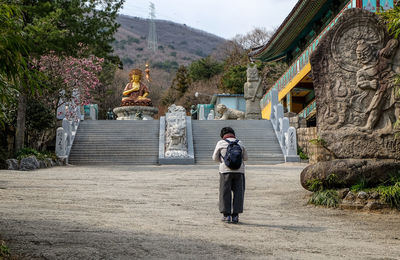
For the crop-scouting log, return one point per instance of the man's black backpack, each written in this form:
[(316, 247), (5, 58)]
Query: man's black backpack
[(233, 156)]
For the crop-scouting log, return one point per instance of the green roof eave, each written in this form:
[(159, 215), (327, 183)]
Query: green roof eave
[(295, 23)]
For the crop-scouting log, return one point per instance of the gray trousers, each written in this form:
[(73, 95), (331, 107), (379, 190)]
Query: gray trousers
[(231, 183)]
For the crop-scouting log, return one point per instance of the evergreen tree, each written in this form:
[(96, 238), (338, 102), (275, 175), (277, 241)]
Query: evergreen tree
[(204, 69), (181, 81)]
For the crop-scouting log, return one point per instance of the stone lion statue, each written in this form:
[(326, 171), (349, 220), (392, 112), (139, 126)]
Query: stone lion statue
[(229, 113)]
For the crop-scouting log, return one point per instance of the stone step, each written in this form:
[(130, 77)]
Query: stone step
[(257, 135), (136, 142), (116, 142)]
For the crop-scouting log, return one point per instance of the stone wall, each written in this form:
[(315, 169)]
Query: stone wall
[(315, 152)]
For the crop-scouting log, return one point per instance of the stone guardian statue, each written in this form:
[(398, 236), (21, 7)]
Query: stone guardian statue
[(253, 93)]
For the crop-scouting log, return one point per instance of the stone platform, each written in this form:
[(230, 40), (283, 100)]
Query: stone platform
[(132, 112)]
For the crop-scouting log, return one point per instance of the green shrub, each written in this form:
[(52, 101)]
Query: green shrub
[(318, 140), (234, 78), (133, 40), (26, 152), (359, 186), (390, 194), (167, 65), (4, 251), (315, 185), (328, 198), (301, 154), (318, 185)]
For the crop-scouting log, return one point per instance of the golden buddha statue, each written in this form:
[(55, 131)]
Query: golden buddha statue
[(135, 92)]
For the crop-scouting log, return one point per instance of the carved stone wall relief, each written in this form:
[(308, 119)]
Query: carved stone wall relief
[(353, 69)]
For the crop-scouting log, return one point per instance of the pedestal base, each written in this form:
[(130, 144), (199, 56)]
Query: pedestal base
[(135, 113)]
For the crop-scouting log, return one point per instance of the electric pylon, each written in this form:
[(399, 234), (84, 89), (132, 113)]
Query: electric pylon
[(152, 40)]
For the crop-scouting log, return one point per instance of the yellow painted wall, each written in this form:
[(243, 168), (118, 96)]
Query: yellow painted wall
[(266, 111), (294, 81)]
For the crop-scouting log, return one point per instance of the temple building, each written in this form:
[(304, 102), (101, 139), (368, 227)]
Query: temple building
[(293, 43)]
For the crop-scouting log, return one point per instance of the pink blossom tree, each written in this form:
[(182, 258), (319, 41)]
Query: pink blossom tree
[(69, 81)]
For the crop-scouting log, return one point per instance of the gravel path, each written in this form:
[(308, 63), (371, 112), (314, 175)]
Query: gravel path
[(170, 212)]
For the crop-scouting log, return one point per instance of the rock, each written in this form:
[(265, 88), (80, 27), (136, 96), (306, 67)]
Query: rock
[(375, 204), (53, 163), (342, 193), (29, 163), (362, 195), (49, 162), (374, 195), (347, 172), (63, 161), (12, 164), (59, 162), (42, 164), (350, 197)]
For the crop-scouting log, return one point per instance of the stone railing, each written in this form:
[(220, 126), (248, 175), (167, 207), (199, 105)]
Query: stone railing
[(311, 108), (286, 134), (65, 138)]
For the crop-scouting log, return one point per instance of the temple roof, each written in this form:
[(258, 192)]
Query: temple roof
[(299, 19)]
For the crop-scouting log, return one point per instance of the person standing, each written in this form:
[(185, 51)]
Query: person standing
[(230, 153)]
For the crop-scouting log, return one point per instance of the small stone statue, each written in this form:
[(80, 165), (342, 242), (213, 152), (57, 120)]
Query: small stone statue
[(229, 113), (110, 114), (253, 93), (135, 92), (193, 112)]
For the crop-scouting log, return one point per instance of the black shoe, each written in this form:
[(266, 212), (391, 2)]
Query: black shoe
[(226, 218), (235, 219)]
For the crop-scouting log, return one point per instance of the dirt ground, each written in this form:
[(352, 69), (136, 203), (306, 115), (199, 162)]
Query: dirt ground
[(170, 212)]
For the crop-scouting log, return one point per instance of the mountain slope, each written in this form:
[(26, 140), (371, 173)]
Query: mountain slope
[(177, 44)]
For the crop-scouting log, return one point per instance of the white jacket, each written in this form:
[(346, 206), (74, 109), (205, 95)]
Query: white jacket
[(220, 151)]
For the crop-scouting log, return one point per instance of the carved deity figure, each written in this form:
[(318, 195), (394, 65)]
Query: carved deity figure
[(176, 144), (253, 93), (377, 75), (135, 92)]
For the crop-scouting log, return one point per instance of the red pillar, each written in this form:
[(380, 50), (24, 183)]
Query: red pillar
[(378, 5), (359, 3)]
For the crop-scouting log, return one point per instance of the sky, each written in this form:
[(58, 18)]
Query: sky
[(225, 18)]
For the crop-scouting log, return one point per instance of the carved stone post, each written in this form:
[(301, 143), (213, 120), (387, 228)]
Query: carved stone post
[(253, 93), (60, 142)]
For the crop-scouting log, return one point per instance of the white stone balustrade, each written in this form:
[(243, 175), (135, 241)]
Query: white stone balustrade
[(211, 115), (201, 113), (286, 135), (65, 138)]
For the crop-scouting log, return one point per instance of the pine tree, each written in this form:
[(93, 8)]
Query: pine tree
[(182, 80)]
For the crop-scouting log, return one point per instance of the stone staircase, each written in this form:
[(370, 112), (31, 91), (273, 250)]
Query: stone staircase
[(257, 135), (131, 142), (115, 142)]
